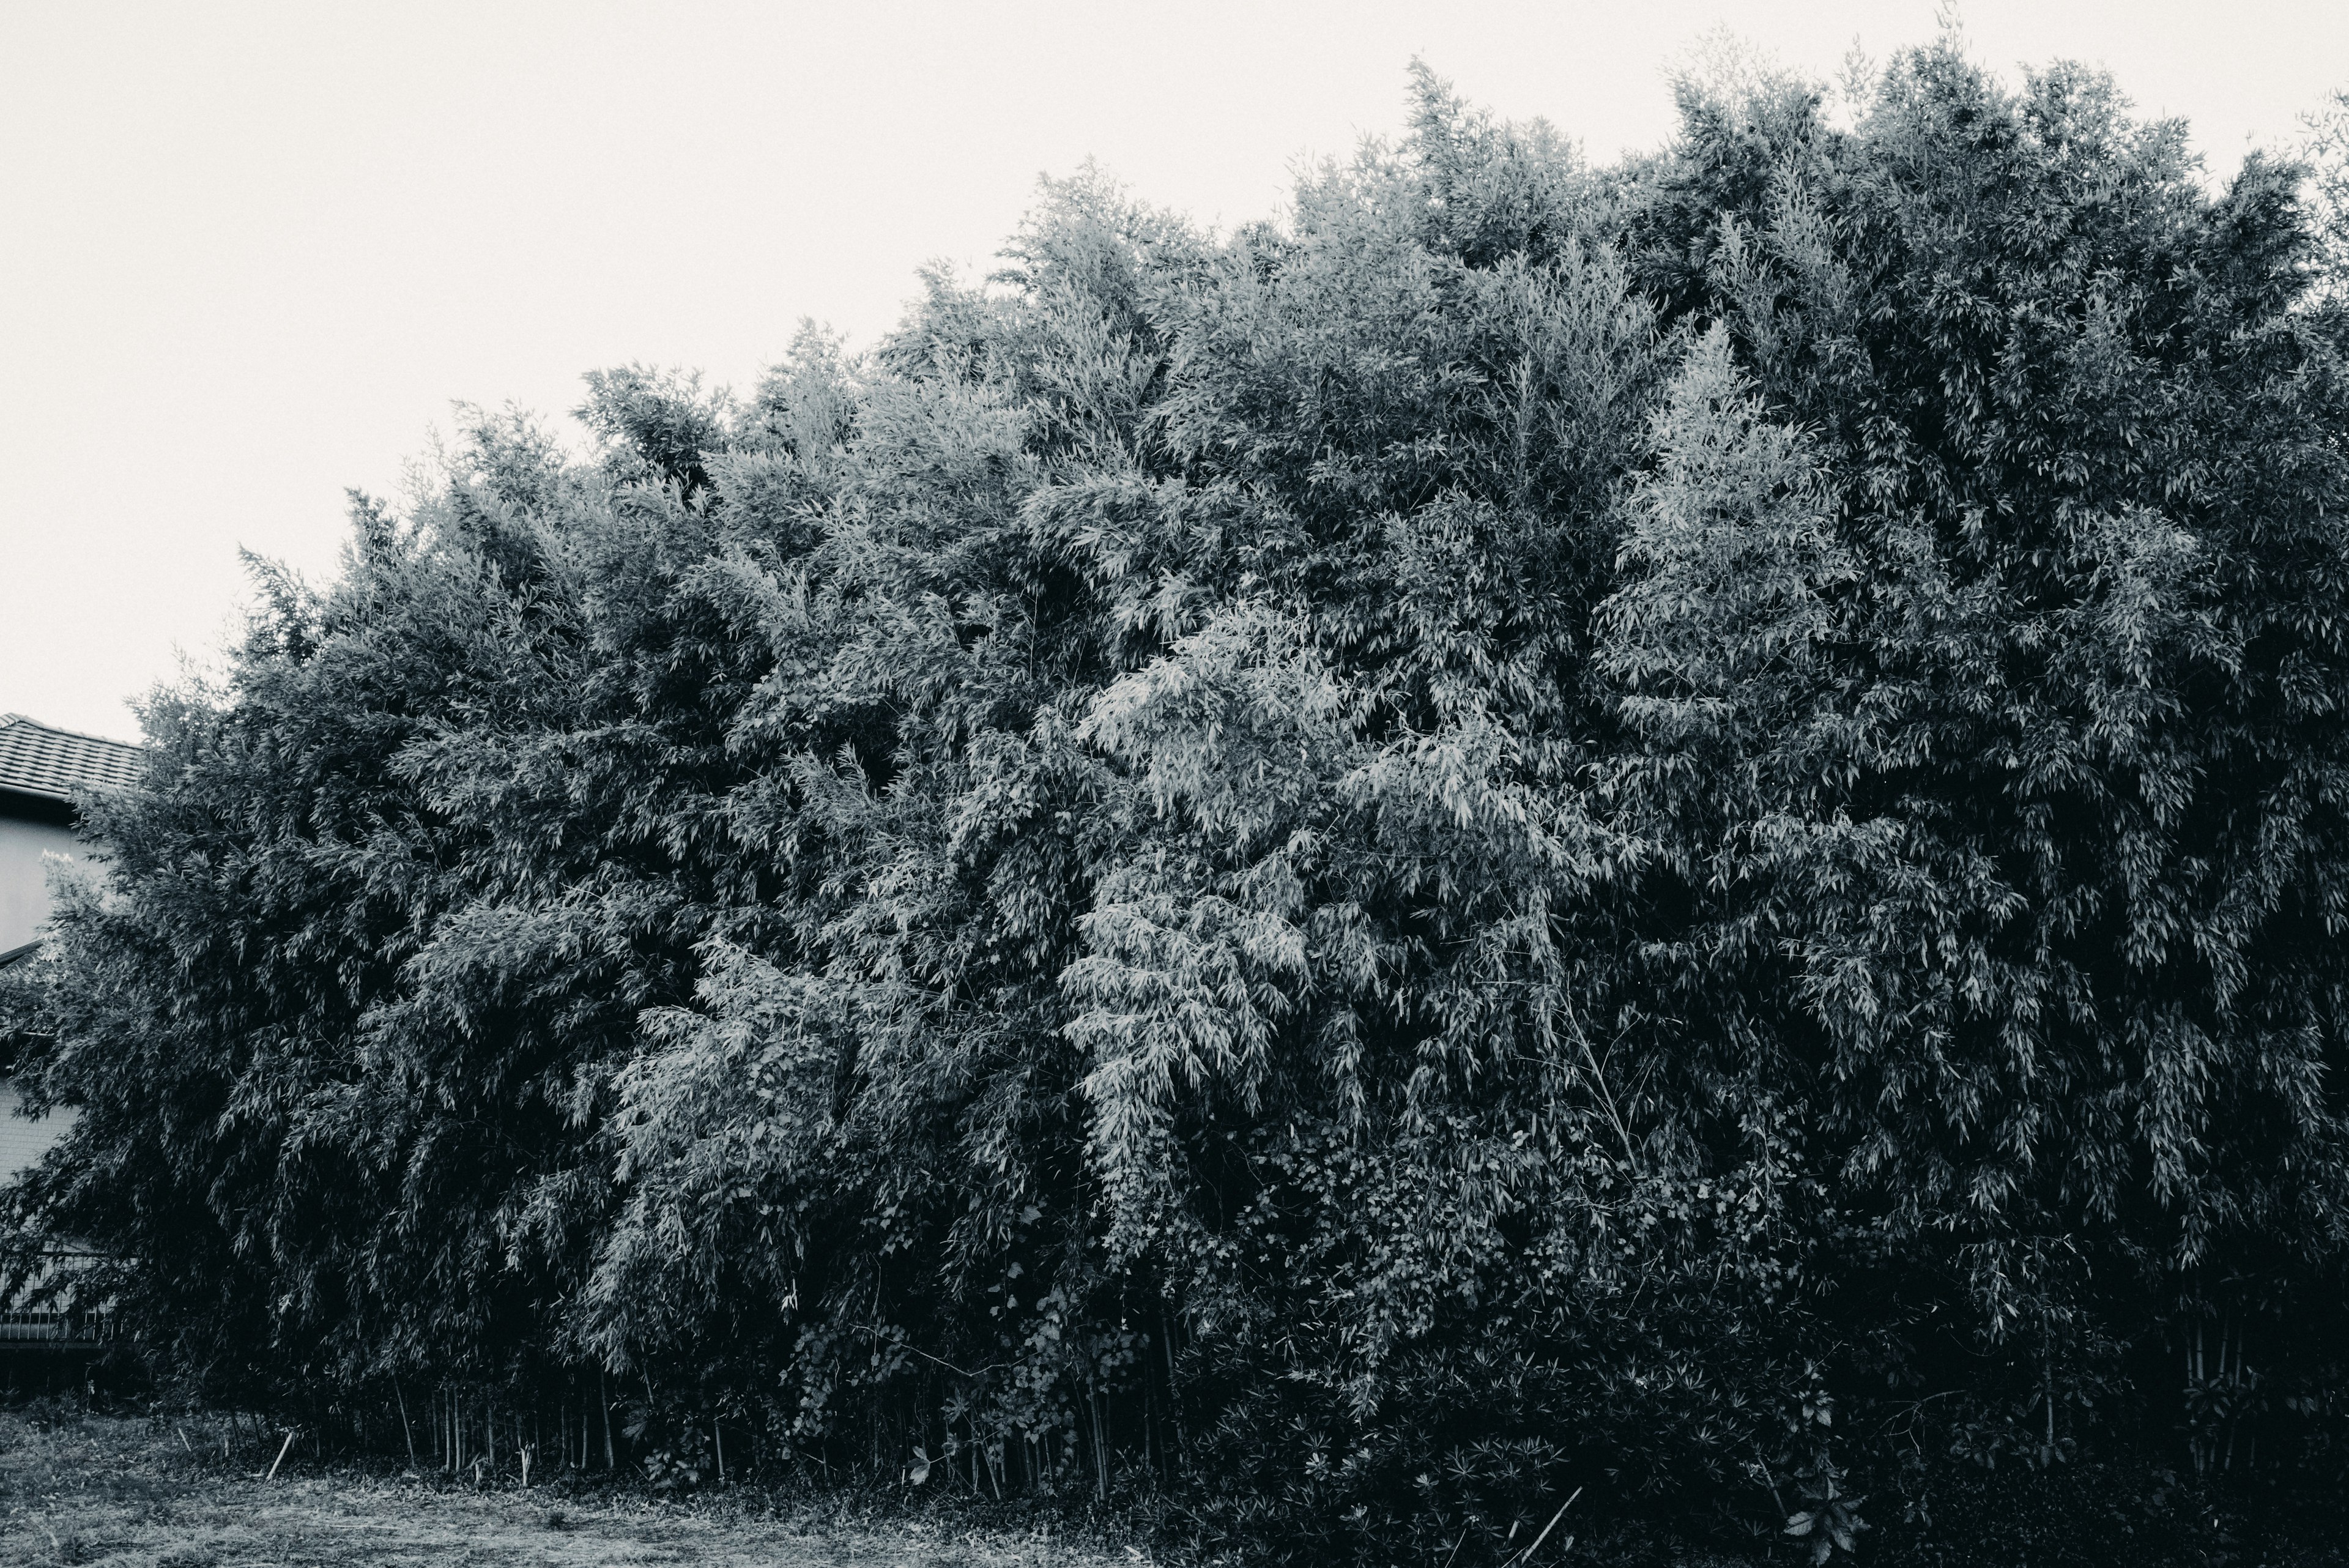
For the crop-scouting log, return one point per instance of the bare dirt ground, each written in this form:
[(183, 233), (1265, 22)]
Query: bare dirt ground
[(138, 1493)]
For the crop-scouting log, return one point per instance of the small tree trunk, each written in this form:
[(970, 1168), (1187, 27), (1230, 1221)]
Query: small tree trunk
[(610, 1463), (404, 1426)]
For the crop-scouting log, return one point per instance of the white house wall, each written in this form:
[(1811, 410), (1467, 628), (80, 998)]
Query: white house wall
[(24, 1140), (25, 876), (24, 868)]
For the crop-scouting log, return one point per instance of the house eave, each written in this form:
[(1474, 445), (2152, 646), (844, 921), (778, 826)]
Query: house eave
[(25, 802)]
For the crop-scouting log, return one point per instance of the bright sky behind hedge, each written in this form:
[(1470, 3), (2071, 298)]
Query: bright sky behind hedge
[(255, 250)]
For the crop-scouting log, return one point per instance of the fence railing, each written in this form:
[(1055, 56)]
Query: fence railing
[(60, 1322)]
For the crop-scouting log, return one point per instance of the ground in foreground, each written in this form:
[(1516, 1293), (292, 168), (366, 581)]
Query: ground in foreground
[(133, 1492)]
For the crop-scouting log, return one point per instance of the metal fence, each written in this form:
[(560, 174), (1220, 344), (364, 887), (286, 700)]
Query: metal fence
[(61, 1322)]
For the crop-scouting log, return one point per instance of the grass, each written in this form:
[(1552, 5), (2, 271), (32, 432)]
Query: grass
[(138, 1492)]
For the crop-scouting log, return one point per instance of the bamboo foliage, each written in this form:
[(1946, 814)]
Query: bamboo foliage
[(1542, 823)]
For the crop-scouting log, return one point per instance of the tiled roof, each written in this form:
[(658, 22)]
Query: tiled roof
[(58, 763)]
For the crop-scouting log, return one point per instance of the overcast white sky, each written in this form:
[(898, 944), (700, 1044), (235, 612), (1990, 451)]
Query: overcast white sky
[(252, 253)]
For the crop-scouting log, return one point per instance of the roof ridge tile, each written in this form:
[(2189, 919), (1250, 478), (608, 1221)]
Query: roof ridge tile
[(55, 764)]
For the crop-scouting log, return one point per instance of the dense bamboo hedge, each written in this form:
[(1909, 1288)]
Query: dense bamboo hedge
[(1676, 829)]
